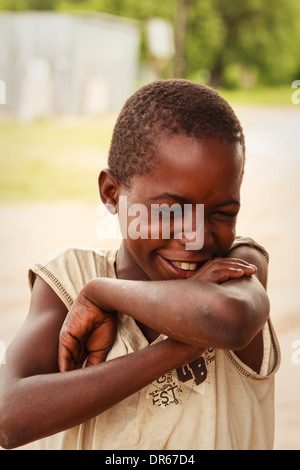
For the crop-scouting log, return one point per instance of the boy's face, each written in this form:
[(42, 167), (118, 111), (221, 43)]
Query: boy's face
[(188, 171)]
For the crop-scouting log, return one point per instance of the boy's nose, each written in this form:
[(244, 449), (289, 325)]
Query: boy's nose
[(199, 239), (193, 227)]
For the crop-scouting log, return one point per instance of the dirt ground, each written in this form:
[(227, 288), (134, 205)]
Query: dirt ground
[(270, 214)]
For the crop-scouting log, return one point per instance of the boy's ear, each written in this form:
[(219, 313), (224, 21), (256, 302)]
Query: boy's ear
[(109, 190)]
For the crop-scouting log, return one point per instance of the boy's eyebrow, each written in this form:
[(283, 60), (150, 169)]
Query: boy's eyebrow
[(183, 200), (177, 198)]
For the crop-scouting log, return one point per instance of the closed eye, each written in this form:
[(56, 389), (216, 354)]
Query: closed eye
[(225, 215)]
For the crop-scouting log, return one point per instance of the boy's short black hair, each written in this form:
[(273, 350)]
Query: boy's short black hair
[(168, 107)]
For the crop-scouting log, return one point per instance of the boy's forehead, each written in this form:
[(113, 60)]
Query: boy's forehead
[(182, 149), (191, 169)]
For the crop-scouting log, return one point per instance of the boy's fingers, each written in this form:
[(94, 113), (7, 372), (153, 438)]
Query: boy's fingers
[(68, 352), (63, 360), (238, 262), (222, 275), (221, 263), (222, 269), (247, 267), (96, 358)]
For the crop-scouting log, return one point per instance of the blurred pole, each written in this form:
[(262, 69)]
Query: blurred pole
[(160, 39), (180, 26)]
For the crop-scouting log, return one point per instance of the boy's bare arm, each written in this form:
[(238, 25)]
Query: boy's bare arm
[(36, 400), (226, 310), (223, 315)]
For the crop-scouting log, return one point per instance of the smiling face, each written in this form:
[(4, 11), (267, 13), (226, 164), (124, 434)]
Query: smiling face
[(188, 171)]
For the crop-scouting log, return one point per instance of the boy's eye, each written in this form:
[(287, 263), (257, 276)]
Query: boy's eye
[(224, 215)]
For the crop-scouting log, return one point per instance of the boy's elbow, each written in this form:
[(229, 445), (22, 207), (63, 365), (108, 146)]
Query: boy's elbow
[(6, 441), (11, 437), (245, 320), (236, 322), (11, 433), (6, 433)]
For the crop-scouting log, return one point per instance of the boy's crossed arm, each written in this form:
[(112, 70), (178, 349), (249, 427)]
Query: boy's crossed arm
[(213, 313), (36, 400)]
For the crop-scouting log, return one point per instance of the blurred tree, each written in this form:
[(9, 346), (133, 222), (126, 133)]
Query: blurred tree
[(180, 27), (204, 38), (260, 35), (24, 5), (227, 43)]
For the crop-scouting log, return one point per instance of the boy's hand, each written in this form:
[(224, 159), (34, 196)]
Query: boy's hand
[(219, 270), (87, 332)]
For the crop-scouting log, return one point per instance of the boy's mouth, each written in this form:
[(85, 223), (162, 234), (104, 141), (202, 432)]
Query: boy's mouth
[(181, 269), (185, 266)]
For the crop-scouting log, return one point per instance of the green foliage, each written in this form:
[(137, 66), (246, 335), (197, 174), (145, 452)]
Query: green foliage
[(135, 9), (264, 35), (205, 34), (237, 42), (23, 5)]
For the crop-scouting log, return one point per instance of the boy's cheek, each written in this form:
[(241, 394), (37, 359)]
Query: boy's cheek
[(228, 240)]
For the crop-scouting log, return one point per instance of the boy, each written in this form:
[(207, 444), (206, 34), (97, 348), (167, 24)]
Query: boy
[(186, 358)]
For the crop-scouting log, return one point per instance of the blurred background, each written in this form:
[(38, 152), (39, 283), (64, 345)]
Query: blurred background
[(66, 69)]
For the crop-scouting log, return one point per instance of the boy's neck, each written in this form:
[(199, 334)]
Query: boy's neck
[(127, 268)]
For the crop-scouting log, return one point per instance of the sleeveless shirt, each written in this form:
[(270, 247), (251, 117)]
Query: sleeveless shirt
[(215, 402)]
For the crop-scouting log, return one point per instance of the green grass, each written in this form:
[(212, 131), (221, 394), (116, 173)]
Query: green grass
[(260, 96), (53, 160), (47, 160)]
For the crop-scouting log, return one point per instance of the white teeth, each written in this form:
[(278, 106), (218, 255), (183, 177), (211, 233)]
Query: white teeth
[(186, 266)]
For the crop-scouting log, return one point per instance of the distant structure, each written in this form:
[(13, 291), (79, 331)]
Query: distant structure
[(56, 63)]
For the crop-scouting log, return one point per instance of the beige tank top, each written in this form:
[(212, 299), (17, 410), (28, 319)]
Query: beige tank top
[(215, 402)]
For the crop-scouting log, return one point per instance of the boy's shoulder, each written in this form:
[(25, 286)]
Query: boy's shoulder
[(72, 257), (69, 268), (242, 240)]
